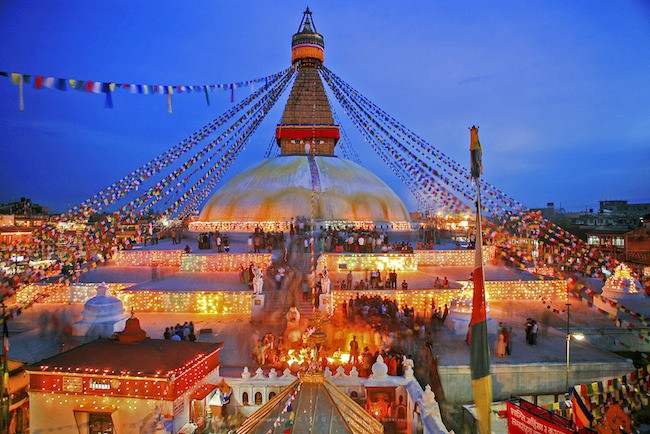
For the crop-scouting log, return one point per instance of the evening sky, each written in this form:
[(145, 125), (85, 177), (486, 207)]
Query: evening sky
[(560, 89)]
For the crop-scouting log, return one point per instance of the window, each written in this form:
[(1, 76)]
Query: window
[(271, 395), (94, 423), (100, 423), (244, 398), (258, 398)]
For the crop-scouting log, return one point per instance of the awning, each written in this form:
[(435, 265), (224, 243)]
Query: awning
[(203, 391)]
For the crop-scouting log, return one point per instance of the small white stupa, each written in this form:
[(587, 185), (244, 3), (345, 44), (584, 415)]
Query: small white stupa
[(460, 313), (102, 315), (621, 287)]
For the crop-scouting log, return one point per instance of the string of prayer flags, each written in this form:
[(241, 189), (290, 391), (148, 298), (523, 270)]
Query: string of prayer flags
[(92, 86)]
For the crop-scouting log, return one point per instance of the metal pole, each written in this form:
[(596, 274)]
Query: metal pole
[(568, 355), (568, 346), (4, 407)]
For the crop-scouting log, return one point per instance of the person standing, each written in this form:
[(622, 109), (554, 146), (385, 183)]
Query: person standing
[(506, 338), (501, 345), (529, 329), (354, 351), (533, 333)]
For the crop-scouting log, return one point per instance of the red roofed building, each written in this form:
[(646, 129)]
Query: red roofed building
[(129, 384)]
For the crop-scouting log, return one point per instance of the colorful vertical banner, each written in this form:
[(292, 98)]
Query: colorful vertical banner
[(580, 414), (479, 345)]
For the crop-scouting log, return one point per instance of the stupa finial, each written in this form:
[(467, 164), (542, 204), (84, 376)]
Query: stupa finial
[(307, 44)]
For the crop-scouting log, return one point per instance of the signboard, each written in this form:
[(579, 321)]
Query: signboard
[(530, 419), (104, 384), (72, 384)]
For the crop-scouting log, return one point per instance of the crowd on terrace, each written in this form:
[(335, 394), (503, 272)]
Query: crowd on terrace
[(184, 332), (362, 329)]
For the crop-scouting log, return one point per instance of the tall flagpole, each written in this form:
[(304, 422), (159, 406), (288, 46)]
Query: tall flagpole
[(479, 347), (4, 382)]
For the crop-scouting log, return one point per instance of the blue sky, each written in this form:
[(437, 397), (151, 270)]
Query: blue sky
[(559, 89)]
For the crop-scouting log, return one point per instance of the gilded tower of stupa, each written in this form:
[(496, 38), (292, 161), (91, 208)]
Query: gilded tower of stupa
[(306, 180)]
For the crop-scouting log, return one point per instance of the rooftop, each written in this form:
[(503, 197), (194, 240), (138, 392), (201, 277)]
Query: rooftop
[(149, 357)]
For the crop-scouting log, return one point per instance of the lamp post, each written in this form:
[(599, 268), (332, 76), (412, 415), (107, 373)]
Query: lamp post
[(569, 335)]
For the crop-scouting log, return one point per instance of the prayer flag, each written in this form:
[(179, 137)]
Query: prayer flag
[(106, 88), (476, 153), (479, 346), (580, 414), (207, 95)]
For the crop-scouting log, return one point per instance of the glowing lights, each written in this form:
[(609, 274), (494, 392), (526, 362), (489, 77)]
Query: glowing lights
[(240, 302), (622, 281), (223, 262), (453, 258), (496, 291), (221, 302), (194, 263), (360, 261), (286, 225), (147, 258), (64, 293)]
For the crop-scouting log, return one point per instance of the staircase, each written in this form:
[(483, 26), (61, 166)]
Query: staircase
[(278, 301)]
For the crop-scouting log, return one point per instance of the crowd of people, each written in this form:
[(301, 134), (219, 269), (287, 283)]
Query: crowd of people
[(215, 241), (375, 281), (423, 245), (261, 240), (270, 351), (184, 332)]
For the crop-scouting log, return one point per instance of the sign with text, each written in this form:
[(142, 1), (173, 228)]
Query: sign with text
[(72, 384), (522, 420)]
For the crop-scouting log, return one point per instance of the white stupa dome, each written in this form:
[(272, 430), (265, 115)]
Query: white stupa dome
[(279, 189), (102, 315)]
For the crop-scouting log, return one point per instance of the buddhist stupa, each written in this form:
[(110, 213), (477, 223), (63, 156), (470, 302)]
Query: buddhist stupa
[(622, 288), (102, 315), (278, 189)]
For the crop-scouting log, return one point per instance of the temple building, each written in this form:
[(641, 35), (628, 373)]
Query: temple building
[(306, 179), (124, 385)]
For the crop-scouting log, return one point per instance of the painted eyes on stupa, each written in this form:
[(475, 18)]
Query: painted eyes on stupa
[(313, 142)]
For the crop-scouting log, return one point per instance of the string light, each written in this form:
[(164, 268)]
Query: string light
[(452, 258), (496, 291), (360, 261), (275, 226)]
